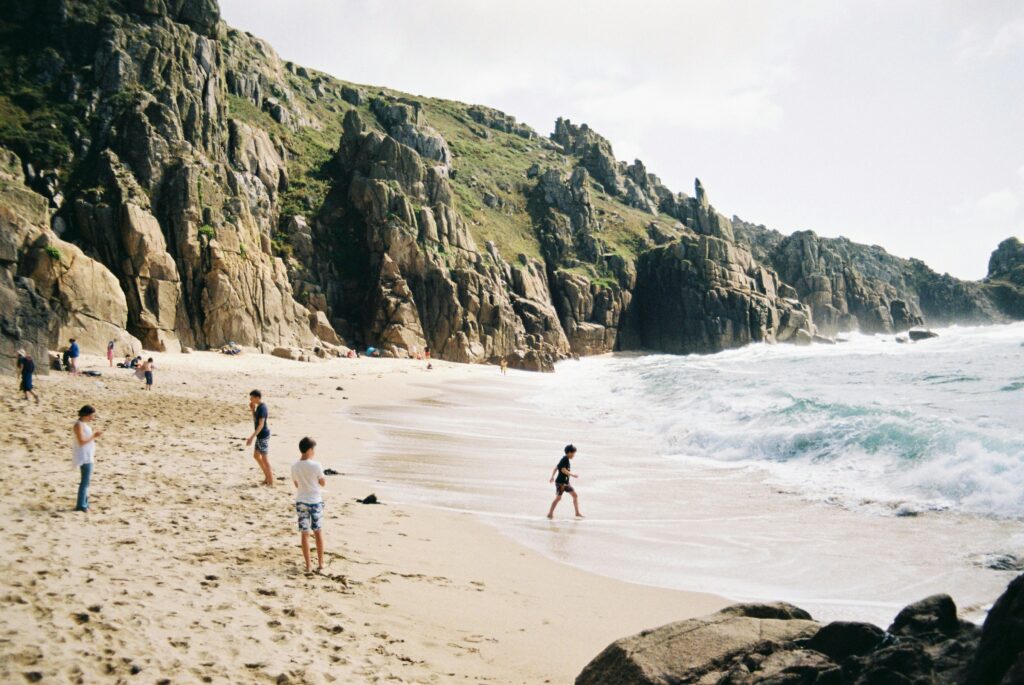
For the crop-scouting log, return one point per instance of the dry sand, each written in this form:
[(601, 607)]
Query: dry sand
[(187, 571)]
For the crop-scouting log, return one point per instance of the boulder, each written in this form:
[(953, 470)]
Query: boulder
[(697, 649), (916, 335), (1000, 655), (292, 353), (322, 328), (84, 295)]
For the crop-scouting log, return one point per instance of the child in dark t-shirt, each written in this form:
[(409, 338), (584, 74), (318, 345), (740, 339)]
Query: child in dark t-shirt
[(560, 476)]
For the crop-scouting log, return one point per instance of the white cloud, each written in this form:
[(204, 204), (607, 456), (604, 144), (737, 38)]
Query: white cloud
[(1020, 173), (998, 205), (978, 44)]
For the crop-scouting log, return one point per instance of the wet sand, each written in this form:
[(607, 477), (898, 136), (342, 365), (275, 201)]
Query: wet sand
[(186, 570)]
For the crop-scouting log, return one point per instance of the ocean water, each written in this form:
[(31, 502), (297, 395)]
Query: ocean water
[(850, 479), (937, 424)]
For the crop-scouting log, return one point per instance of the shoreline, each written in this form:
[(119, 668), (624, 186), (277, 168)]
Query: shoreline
[(186, 569), (878, 562)]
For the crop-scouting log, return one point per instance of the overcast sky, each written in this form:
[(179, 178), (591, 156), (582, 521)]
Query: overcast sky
[(899, 123)]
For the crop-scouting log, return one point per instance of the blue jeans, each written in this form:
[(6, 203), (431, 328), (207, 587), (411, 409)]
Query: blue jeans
[(83, 488)]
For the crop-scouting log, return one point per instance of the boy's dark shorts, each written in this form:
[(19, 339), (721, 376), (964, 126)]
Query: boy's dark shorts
[(149, 377), (561, 488)]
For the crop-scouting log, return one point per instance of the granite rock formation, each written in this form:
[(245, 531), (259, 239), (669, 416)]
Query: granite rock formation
[(232, 196), (778, 643)]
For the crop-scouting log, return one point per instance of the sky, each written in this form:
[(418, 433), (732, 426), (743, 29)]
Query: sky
[(891, 122)]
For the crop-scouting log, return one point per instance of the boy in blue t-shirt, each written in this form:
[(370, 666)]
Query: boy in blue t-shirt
[(261, 434)]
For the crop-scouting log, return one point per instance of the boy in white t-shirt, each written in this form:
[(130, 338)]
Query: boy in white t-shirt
[(308, 477)]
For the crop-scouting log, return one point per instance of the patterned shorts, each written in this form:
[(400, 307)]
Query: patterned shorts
[(310, 516), (263, 445)]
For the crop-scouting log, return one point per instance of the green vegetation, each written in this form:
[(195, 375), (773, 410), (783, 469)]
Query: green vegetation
[(207, 231), (53, 252)]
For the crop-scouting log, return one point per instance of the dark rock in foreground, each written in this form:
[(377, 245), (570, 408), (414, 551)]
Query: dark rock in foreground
[(916, 335), (780, 644)]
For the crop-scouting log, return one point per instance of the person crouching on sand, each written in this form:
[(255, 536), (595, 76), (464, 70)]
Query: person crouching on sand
[(308, 477), (560, 477), (261, 434), (83, 449)]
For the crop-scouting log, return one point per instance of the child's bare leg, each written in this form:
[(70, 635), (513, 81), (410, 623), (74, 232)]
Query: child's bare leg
[(551, 511), (319, 536), (576, 505), (305, 549), (264, 463)]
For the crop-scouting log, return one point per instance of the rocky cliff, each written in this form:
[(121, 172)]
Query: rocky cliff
[(171, 181)]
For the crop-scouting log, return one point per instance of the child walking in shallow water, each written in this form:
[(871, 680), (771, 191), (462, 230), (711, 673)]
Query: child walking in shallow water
[(308, 477), (560, 477)]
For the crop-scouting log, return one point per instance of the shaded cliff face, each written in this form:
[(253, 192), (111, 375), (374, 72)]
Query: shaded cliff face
[(203, 191)]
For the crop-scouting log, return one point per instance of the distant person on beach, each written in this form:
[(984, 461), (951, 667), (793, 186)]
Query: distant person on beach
[(426, 351), (27, 367), (110, 353), (147, 372), (504, 366), (308, 476), (261, 434), (560, 477), (83, 449), (73, 353)]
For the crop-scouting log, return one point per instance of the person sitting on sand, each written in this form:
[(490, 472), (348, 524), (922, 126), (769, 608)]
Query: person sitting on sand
[(26, 367), (308, 476), (261, 434), (147, 372), (73, 353), (563, 471), (83, 450)]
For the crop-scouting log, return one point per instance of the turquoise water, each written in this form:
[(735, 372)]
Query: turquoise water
[(930, 425), (850, 479)]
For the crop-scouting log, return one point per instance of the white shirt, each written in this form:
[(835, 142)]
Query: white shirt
[(82, 454), (308, 474)]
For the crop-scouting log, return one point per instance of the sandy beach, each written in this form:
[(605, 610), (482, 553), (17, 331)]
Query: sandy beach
[(187, 571)]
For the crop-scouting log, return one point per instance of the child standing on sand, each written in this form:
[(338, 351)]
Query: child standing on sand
[(83, 449), (564, 472), (261, 434), (308, 477), (27, 367), (147, 372)]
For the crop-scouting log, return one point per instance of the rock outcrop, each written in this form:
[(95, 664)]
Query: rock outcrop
[(233, 197), (777, 643), (704, 293)]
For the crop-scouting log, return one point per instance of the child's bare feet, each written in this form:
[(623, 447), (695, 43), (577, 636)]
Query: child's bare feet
[(579, 515), (551, 516)]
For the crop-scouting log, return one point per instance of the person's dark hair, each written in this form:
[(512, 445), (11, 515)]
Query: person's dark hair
[(306, 444), (256, 393), (570, 448), (87, 410), (71, 340), (150, 359)]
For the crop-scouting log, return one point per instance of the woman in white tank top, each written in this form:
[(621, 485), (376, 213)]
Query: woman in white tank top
[(83, 449)]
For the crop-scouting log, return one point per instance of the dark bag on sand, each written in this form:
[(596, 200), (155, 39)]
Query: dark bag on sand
[(369, 499)]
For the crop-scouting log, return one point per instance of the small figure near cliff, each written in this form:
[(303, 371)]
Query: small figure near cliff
[(504, 366), (309, 477), (261, 434), (147, 372), (110, 354), (83, 451), (73, 353), (26, 367), (563, 471)]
